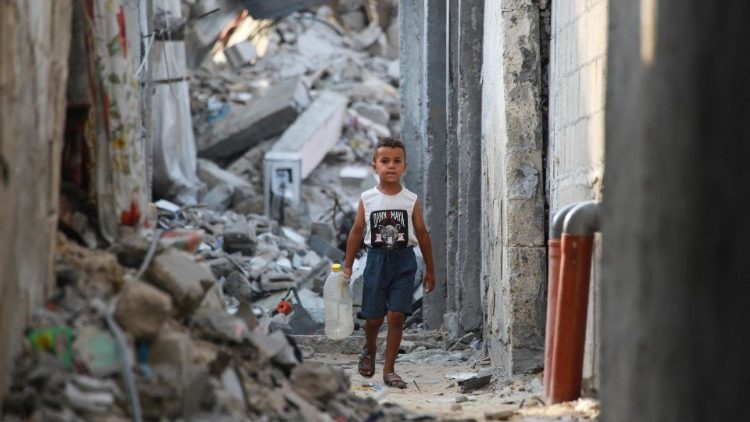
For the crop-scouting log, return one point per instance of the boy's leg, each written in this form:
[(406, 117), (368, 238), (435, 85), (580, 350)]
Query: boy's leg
[(372, 327), (393, 340)]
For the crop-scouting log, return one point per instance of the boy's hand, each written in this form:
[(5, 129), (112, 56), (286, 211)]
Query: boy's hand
[(347, 272), (429, 282)]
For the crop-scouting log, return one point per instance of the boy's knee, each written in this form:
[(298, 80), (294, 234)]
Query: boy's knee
[(376, 322), (396, 318)]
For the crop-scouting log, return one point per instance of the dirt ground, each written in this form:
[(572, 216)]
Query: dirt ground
[(432, 391)]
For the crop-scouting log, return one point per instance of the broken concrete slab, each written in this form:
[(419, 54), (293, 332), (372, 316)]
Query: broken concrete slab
[(142, 309), (324, 248), (474, 383), (302, 147), (376, 113), (219, 197), (179, 275), (245, 126), (211, 174), (241, 54)]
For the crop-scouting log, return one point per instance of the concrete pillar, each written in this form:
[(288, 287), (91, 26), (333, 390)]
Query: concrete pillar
[(433, 133), (450, 321), (513, 250), (675, 226), (411, 27), (469, 137)]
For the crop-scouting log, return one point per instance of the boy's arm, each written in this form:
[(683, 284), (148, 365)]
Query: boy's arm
[(420, 230), (355, 239)]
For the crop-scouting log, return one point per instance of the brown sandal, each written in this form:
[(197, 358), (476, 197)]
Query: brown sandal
[(394, 380), (366, 365)]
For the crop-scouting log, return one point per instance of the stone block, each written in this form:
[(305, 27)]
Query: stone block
[(178, 274), (241, 54), (245, 126), (240, 237), (142, 309), (170, 357)]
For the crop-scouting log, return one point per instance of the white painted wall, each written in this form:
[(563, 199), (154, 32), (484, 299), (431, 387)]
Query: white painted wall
[(575, 160)]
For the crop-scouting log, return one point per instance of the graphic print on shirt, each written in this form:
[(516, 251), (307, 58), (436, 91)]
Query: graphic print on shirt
[(389, 229)]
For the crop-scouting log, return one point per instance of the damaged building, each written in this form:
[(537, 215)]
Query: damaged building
[(177, 176)]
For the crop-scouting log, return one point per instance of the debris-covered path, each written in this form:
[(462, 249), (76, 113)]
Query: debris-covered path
[(459, 384)]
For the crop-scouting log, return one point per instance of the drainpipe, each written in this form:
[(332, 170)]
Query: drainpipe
[(553, 279), (572, 302)]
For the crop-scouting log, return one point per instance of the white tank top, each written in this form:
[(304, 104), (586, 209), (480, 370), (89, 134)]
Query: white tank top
[(388, 219)]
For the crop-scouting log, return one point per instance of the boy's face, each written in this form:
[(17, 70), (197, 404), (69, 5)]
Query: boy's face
[(390, 164)]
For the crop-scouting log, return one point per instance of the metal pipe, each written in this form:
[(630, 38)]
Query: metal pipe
[(553, 278), (572, 302)]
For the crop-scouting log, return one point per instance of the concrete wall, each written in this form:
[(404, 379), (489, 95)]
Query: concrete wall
[(513, 252), (34, 44), (411, 28), (575, 160), (434, 131), (675, 226)]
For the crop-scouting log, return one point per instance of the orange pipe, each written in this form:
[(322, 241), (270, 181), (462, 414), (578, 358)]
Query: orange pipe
[(553, 278), (570, 318)]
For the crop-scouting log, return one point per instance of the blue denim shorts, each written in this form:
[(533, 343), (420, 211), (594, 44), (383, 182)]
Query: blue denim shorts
[(388, 282)]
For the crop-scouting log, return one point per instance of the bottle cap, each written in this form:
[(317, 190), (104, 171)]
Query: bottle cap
[(335, 267)]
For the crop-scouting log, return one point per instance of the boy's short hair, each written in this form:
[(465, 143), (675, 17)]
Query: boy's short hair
[(388, 142)]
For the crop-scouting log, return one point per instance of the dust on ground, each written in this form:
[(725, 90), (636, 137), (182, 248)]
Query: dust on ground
[(433, 390)]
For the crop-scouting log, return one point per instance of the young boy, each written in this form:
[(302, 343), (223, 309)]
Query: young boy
[(390, 218)]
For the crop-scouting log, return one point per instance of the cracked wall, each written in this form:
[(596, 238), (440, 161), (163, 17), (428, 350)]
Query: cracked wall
[(513, 207)]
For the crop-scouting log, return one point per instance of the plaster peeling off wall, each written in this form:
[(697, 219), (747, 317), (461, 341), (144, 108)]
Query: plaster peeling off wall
[(513, 261)]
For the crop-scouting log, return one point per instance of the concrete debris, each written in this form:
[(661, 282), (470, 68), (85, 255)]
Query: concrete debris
[(142, 309), (241, 54), (310, 92), (273, 281), (95, 349), (178, 274), (319, 383), (244, 126), (219, 198), (240, 237), (375, 113), (474, 383), (324, 248)]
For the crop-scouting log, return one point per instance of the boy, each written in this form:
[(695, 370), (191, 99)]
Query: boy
[(391, 219)]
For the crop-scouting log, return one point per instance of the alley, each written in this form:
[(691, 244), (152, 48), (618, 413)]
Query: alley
[(231, 210)]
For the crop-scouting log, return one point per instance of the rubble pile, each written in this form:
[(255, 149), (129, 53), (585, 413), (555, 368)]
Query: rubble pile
[(111, 345), (242, 107), (193, 316)]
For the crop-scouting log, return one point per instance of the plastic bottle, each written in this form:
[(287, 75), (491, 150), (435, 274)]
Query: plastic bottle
[(338, 305)]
